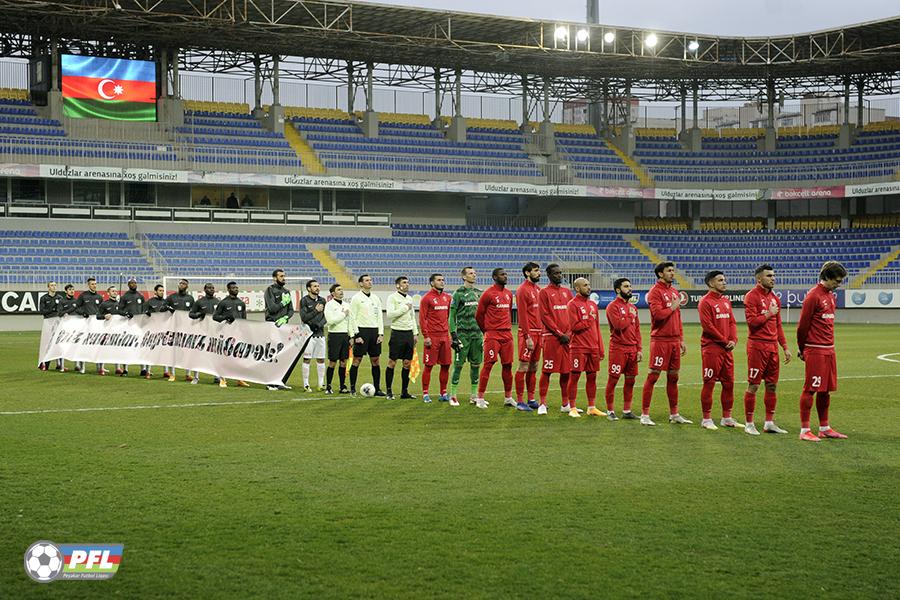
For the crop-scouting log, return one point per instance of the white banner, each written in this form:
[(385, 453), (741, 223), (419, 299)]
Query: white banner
[(705, 194), (872, 298), (249, 350), (873, 189)]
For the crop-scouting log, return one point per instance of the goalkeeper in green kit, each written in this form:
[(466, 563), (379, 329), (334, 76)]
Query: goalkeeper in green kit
[(279, 308), (467, 336)]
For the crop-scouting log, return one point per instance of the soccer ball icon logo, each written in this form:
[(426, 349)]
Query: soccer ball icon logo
[(43, 561), (367, 389)]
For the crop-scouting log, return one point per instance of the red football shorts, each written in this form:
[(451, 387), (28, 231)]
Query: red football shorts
[(498, 345), (439, 353), (623, 361), (665, 355), (821, 370), (584, 361), (556, 355), (763, 363), (533, 355), (718, 363)]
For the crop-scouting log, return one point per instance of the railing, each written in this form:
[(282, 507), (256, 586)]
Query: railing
[(193, 215), (889, 278), (761, 174), (391, 166), (157, 260)]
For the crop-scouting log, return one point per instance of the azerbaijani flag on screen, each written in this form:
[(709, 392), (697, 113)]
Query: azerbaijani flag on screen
[(108, 88)]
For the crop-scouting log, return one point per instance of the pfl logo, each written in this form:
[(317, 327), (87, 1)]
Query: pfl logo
[(46, 561)]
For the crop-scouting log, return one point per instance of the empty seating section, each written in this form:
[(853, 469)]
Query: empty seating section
[(216, 255), (226, 134), (24, 133), (419, 250), (661, 224), (591, 158), (734, 159), (808, 223), (876, 221), (410, 146), (733, 224), (796, 256), (35, 257)]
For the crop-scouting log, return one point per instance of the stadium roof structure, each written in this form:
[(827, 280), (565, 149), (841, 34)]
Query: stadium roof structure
[(316, 39)]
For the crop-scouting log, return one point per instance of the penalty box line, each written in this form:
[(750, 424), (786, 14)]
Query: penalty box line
[(43, 411)]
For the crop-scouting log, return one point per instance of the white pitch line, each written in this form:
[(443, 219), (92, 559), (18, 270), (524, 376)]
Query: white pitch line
[(884, 357), (42, 411)]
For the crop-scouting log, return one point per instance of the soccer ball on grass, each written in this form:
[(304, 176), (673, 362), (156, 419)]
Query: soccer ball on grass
[(367, 389)]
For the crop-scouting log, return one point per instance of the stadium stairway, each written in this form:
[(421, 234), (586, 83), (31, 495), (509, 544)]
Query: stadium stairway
[(334, 267), (876, 266), (656, 258), (643, 176), (304, 151)]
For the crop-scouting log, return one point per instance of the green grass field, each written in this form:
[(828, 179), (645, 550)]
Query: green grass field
[(248, 493)]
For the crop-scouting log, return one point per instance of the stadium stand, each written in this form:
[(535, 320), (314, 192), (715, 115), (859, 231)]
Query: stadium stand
[(735, 158), (70, 257), (227, 135), (409, 145)]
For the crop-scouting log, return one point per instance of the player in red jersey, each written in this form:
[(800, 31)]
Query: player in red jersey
[(624, 348), (434, 323), (717, 343), (815, 343), (585, 348), (666, 342), (494, 318), (554, 301), (762, 310), (528, 311)]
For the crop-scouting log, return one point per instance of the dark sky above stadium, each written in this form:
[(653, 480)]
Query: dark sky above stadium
[(722, 17)]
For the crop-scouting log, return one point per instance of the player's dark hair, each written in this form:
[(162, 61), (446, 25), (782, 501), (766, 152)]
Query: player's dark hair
[(529, 266), (552, 266), (277, 271), (658, 269), (69, 286), (762, 268), (188, 282), (496, 272), (230, 283), (310, 282), (434, 276), (90, 279), (111, 288), (464, 269), (396, 281), (832, 270), (157, 286), (617, 284), (361, 277), (333, 287), (711, 275)]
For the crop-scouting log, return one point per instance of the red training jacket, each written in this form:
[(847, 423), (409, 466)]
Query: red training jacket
[(624, 325), (554, 300), (494, 312), (528, 307), (434, 314), (584, 318), (717, 320), (816, 325), (764, 331), (665, 323)]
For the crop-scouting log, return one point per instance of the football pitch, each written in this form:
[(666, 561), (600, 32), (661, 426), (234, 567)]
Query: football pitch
[(246, 493)]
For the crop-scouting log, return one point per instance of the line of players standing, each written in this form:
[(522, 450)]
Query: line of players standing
[(558, 331)]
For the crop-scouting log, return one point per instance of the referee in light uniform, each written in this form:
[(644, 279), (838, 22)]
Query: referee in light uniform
[(337, 317), (368, 333), (404, 334)]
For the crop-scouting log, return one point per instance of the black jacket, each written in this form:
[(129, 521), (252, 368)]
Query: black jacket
[(204, 306), (49, 305), (178, 301), (274, 308), (108, 307), (88, 303), (229, 309), (131, 303), (313, 318), (67, 305), (156, 305)]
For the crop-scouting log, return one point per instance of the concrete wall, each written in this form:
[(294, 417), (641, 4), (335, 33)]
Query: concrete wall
[(592, 212), (411, 207)]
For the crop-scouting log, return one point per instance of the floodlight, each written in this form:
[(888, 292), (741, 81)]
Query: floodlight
[(609, 37), (650, 40), (562, 32), (693, 45), (582, 35)]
